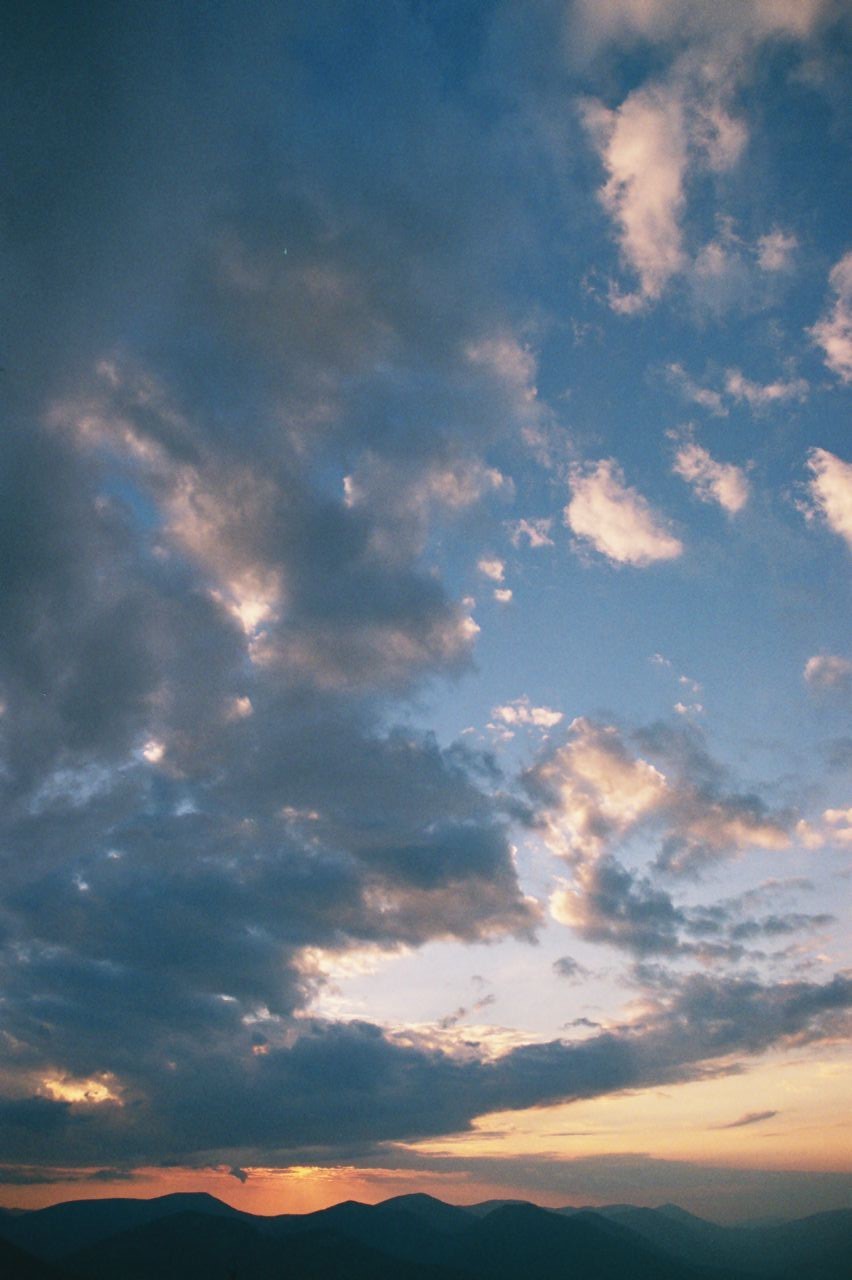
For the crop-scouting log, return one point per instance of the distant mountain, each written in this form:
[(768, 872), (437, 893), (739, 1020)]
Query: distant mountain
[(484, 1207), (448, 1218), (59, 1229), (522, 1240), (819, 1246), (416, 1237), (192, 1246)]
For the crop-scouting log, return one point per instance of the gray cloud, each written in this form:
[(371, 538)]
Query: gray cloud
[(353, 1083), (751, 1117), (205, 634)]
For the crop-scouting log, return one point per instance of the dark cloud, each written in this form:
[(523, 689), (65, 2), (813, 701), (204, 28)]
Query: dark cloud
[(568, 967), (206, 625), (353, 1083), (751, 1117)]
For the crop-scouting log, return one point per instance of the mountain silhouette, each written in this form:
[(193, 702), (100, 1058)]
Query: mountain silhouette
[(410, 1237)]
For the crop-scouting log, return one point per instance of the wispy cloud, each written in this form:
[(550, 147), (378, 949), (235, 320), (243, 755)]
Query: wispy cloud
[(751, 1117)]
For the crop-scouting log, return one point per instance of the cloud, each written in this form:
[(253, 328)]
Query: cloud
[(522, 712), (759, 396), (834, 331), (615, 518), (643, 147), (491, 567), (751, 1117), (206, 629), (354, 1083), (830, 490), (775, 250), (828, 671), (668, 132), (731, 22), (712, 481), (593, 792), (738, 388), (694, 392), (569, 968), (536, 533), (606, 904)]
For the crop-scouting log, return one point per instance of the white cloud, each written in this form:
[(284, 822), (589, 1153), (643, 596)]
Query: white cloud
[(729, 22), (598, 791), (643, 147), (831, 492), (712, 481), (520, 711), (663, 132), (828, 671), (775, 250), (503, 595), (615, 518), (760, 395), (491, 567), (834, 331), (536, 532)]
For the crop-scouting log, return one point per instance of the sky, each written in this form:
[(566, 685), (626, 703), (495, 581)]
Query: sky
[(425, 661)]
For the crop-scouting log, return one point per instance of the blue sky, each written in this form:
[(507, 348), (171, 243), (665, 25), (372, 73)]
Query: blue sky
[(426, 672)]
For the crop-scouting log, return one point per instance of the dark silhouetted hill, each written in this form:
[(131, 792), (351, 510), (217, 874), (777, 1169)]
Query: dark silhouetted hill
[(58, 1230), (196, 1237)]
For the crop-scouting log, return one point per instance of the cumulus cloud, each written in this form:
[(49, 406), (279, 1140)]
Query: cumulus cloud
[(834, 331), (643, 147), (608, 904), (615, 518), (828, 671), (712, 481), (595, 791), (666, 132), (206, 625), (491, 567), (830, 490)]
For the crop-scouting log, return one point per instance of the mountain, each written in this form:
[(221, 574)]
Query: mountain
[(196, 1237), (524, 1240), (192, 1246), (59, 1229), (447, 1218), (819, 1246)]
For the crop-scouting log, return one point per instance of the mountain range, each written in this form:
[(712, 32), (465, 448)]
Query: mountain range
[(411, 1237)]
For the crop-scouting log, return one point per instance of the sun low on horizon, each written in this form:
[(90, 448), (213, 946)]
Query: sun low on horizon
[(426, 644)]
